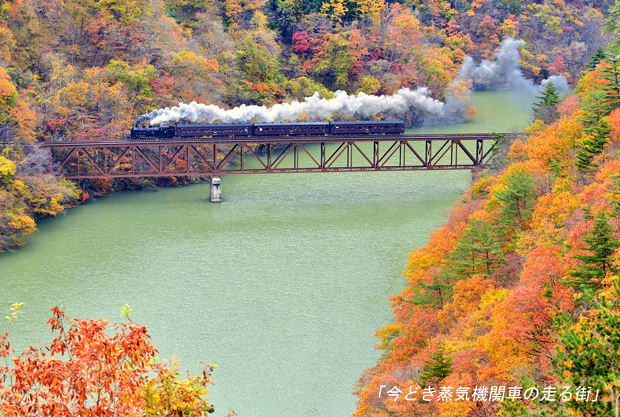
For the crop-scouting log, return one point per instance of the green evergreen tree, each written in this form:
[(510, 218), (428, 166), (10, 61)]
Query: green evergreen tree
[(604, 99), (548, 97), (598, 104), (478, 251), (598, 56), (286, 14), (592, 110), (437, 368), (517, 199), (611, 89), (437, 293), (598, 261), (546, 108), (592, 146)]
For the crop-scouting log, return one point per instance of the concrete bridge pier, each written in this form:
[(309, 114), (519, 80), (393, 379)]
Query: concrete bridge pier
[(215, 195)]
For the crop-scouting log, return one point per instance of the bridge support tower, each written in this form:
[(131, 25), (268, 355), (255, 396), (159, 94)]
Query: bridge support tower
[(215, 195)]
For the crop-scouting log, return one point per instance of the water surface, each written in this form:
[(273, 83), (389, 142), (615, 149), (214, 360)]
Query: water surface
[(282, 285)]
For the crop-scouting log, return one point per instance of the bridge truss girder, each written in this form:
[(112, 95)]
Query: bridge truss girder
[(124, 159)]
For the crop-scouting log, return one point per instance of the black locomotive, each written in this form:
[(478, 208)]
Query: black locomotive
[(268, 129)]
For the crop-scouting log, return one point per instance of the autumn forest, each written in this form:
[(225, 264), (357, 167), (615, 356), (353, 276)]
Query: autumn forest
[(518, 287)]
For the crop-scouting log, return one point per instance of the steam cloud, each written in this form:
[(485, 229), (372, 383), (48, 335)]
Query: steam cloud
[(357, 106), (413, 105), (505, 72)]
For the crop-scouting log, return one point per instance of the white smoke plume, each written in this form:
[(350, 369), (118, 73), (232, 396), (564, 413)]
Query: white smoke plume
[(411, 105), (315, 108), (505, 72)]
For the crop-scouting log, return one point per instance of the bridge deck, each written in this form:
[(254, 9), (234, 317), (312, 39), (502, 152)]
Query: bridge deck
[(268, 154), (279, 139)]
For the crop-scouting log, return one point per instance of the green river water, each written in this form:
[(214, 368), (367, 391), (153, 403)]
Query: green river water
[(282, 285)]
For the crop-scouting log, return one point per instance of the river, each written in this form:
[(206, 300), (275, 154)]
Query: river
[(282, 285)]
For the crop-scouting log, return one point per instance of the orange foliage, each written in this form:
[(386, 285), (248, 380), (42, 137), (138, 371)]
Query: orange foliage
[(8, 92), (614, 123), (569, 106), (93, 368), (24, 118), (498, 329), (554, 142)]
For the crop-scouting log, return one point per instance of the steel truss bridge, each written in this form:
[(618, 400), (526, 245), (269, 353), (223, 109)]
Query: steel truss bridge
[(269, 155)]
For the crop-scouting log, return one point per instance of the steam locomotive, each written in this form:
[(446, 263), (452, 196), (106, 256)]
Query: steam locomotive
[(267, 129)]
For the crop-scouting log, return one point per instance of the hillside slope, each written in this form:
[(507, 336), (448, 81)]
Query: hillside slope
[(520, 287)]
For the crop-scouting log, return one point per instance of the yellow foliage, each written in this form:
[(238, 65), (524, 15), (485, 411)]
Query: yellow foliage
[(22, 224), (483, 186), (536, 127), (387, 333), (525, 54), (62, 73), (7, 168), (74, 94), (19, 186), (7, 44), (169, 390), (334, 9), (491, 298), (53, 208), (549, 215), (188, 61), (370, 7), (517, 152), (92, 73), (509, 28), (562, 184)]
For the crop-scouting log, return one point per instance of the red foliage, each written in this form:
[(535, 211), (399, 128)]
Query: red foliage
[(488, 35), (558, 66), (162, 86), (300, 42), (569, 105)]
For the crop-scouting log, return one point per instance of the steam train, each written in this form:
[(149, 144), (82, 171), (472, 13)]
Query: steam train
[(267, 129)]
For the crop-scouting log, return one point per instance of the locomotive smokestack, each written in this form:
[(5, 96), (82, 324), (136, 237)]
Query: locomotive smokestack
[(143, 118)]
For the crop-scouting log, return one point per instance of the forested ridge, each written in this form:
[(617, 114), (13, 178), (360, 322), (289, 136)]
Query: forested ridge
[(520, 287), (86, 69)]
